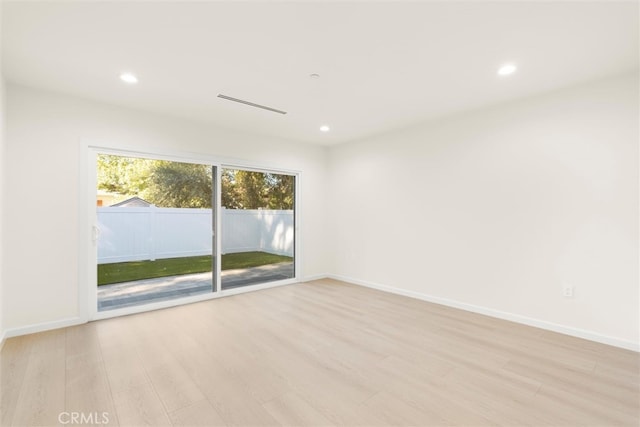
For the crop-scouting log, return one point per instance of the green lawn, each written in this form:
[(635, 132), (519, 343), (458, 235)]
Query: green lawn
[(137, 270)]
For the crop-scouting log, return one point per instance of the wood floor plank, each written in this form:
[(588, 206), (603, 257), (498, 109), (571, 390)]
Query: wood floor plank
[(317, 354), (433, 395), (594, 386), (14, 359), (42, 396), (291, 410), (233, 401), (394, 411), (576, 409), (425, 387), (174, 386), (197, 414), (139, 405), (119, 348), (87, 388)]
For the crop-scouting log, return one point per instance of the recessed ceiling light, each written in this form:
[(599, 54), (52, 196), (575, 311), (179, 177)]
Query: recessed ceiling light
[(324, 128), (507, 69), (129, 78), (314, 76)]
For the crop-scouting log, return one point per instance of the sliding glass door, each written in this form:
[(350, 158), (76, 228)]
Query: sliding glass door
[(258, 227), (156, 229)]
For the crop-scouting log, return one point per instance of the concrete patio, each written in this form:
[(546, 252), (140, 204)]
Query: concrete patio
[(127, 294)]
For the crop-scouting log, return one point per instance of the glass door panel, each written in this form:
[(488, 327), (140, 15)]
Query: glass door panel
[(156, 230), (258, 227)]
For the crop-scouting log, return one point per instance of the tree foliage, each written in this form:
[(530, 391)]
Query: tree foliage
[(187, 185), (179, 185), (123, 175), (243, 189)]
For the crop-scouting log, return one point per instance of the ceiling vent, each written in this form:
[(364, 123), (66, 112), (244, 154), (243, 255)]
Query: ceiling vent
[(251, 104)]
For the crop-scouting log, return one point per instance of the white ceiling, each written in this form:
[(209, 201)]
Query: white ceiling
[(382, 65)]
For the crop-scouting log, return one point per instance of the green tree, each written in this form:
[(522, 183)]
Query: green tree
[(251, 188), (179, 185), (257, 190), (281, 190), (161, 182), (229, 190), (186, 185), (123, 175)]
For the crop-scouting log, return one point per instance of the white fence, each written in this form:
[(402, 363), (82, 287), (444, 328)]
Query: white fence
[(137, 234)]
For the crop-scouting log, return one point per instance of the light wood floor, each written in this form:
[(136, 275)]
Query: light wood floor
[(320, 353)]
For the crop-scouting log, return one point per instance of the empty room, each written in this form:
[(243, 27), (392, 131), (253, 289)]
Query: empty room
[(319, 213)]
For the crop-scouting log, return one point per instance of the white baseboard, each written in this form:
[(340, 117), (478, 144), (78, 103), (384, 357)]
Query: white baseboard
[(41, 327), (315, 277), (542, 324)]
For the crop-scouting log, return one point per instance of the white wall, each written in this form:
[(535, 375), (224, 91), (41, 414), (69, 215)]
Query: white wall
[(495, 209), (2, 171), (43, 139)]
